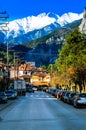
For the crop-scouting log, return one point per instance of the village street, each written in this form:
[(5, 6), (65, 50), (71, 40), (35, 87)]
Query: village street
[(41, 111)]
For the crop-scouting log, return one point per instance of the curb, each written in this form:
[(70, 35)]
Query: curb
[(2, 107)]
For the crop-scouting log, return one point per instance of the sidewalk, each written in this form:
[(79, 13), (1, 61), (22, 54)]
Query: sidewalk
[(3, 106)]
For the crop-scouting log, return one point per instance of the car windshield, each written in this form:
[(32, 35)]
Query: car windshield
[(9, 91), (1, 94), (73, 94), (83, 95)]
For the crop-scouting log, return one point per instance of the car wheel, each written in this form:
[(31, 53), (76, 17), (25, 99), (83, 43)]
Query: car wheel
[(75, 104), (0, 100)]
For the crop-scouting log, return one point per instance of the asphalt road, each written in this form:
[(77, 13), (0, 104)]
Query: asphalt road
[(41, 111)]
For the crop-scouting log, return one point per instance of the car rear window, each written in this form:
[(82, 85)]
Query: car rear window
[(73, 94), (83, 95)]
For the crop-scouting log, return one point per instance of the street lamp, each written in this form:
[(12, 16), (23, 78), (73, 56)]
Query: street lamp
[(7, 55)]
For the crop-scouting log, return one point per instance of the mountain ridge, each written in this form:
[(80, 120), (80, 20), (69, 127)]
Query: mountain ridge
[(44, 51), (43, 44), (43, 21)]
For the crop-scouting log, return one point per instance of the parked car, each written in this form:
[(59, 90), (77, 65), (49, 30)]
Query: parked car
[(66, 96), (39, 88), (44, 89), (3, 97), (60, 94), (54, 91), (49, 90), (71, 97), (11, 94), (79, 100), (30, 89)]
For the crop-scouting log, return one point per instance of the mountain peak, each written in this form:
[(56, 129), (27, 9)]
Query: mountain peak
[(42, 15), (52, 15), (28, 24), (68, 18)]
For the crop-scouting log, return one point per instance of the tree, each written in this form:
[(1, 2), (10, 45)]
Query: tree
[(44, 67), (73, 55)]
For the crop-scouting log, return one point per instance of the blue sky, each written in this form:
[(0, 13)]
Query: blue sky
[(24, 8)]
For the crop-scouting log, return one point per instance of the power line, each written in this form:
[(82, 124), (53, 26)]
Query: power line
[(36, 53)]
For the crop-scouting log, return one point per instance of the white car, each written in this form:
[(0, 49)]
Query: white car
[(79, 100)]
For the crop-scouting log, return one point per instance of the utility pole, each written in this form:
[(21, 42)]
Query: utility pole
[(4, 28), (51, 74), (14, 66), (4, 25), (7, 55)]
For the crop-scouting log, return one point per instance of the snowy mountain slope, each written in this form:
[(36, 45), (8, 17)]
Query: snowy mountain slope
[(35, 34), (68, 18), (33, 27), (49, 45), (31, 23)]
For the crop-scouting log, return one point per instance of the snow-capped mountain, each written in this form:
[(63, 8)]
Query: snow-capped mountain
[(21, 31), (29, 23), (43, 21), (69, 18)]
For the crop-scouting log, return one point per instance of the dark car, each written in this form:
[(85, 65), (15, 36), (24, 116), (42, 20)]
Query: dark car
[(60, 94), (3, 97), (71, 97), (11, 94), (54, 92), (66, 96), (30, 89), (79, 100)]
